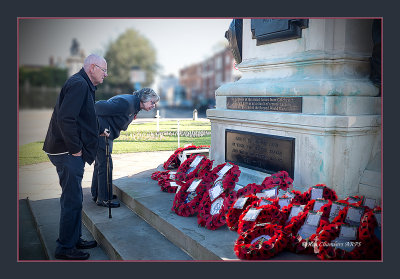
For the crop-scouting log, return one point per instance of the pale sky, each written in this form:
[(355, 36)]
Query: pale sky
[(178, 42)]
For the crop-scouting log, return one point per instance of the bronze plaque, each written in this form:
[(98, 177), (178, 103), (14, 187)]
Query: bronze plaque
[(280, 104), (268, 30), (262, 152)]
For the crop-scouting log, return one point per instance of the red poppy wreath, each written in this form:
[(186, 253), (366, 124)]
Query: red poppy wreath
[(300, 239), (157, 175), (328, 246), (254, 215), (262, 242), (232, 216), (219, 197), (319, 191), (174, 162), (193, 167), (187, 199)]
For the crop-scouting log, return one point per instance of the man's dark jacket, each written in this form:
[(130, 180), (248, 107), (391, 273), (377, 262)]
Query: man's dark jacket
[(117, 113), (73, 125)]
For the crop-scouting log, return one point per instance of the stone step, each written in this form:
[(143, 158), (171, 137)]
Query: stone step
[(143, 196), (46, 214), (125, 236)]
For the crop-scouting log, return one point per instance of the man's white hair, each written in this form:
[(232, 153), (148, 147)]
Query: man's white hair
[(92, 59)]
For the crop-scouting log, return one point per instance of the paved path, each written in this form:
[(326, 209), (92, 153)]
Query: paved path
[(39, 183)]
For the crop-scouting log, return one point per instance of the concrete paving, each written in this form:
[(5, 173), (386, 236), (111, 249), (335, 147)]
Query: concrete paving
[(143, 228)]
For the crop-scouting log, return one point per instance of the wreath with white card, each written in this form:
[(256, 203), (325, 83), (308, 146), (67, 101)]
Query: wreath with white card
[(253, 215), (319, 191), (174, 162), (193, 167), (301, 231), (187, 199), (262, 242), (232, 216), (339, 241), (219, 197), (168, 180)]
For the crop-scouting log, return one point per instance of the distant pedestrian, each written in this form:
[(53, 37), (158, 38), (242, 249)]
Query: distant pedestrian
[(116, 114), (72, 140)]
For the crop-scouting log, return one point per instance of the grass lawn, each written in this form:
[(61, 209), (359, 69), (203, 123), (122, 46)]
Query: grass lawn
[(141, 137)]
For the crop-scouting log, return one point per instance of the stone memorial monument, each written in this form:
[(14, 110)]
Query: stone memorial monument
[(304, 104), (75, 61)]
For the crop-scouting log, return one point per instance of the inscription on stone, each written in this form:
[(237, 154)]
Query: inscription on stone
[(262, 152), (280, 104)]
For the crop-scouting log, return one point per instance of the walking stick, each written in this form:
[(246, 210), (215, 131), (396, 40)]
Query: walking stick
[(109, 190)]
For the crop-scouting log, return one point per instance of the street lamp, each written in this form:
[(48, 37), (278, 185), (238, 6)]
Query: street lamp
[(137, 76)]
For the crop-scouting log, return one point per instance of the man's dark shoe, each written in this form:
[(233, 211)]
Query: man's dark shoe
[(84, 244), (72, 254), (113, 204)]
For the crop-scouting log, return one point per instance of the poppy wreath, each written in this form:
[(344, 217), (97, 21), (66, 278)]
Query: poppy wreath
[(249, 189), (166, 185), (326, 251), (341, 215), (205, 165), (187, 204), (230, 178), (298, 197), (286, 212), (325, 210), (327, 194), (280, 179), (248, 247), (232, 216), (268, 214), (296, 243), (160, 175), (174, 162), (211, 221), (366, 233)]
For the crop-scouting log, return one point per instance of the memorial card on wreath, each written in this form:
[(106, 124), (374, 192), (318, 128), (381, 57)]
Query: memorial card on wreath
[(346, 238), (224, 170), (216, 190), (252, 214), (319, 203), (316, 192), (265, 202), (354, 214), (296, 209), (271, 193), (371, 203), (196, 161), (283, 202), (336, 207), (240, 202), (172, 174), (310, 225), (194, 185)]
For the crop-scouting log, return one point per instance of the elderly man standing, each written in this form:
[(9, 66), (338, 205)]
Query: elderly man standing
[(116, 114), (72, 140)]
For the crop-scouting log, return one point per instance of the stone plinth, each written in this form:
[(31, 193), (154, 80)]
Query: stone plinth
[(337, 131)]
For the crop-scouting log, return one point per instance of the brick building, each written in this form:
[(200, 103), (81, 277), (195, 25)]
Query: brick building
[(202, 79)]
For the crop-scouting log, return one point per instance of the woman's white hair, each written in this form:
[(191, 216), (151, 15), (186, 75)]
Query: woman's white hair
[(92, 59)]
